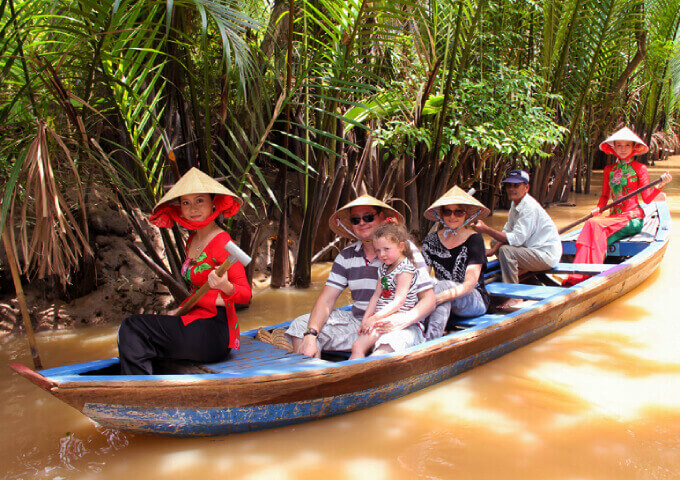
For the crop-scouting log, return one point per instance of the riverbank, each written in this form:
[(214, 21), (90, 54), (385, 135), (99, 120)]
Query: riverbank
[(122, 282)]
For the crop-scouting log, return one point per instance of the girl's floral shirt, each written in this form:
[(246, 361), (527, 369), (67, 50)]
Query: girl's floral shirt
[(619, 180), (196, 270)]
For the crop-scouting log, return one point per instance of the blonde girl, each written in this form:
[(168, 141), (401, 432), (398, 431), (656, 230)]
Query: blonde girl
[(395, 292)]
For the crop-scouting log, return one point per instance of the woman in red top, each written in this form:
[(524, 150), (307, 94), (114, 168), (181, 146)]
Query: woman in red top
[(626, 218), (208, 331)]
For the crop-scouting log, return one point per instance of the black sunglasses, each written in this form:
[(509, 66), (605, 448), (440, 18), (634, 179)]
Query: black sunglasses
[(367, 218), (457, 212)]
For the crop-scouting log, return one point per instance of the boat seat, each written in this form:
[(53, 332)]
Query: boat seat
[(649, 226), (520, 290), (579, 268), (478, 322), (260, 357)]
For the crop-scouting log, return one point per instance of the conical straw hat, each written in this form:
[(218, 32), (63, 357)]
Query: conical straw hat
[(195, 181), (625, 134), (340, 218), (456, 196)]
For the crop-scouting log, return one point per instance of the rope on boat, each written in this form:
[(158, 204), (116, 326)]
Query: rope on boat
[(276, 337)]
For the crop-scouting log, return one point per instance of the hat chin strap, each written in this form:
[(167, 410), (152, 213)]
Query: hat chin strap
[(193, 226), (342, 225), (454, 231), (447, 230), (172, 213)]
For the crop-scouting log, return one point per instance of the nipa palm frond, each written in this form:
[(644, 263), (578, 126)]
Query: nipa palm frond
[(56, 241)]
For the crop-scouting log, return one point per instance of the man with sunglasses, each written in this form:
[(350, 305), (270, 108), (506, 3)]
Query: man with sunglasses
[(529, 240), (355, 268)]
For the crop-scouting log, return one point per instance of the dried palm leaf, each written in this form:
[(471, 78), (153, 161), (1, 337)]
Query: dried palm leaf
[(56, 240)]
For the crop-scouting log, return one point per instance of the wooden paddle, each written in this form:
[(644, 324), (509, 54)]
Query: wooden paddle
[(235, 255), (610, 205)]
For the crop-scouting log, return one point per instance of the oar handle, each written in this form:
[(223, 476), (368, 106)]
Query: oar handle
[(198, 294), (610, 205)]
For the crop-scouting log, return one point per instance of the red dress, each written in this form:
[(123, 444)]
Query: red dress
[(196, 272), (619, 180)]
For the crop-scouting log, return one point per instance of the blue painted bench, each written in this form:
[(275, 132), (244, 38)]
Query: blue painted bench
[(479, 322), (582, 268), (519, 290), (259, 357), (618, 249)]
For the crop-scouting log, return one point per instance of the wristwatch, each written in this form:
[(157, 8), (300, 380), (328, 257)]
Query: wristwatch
[(311, 331)]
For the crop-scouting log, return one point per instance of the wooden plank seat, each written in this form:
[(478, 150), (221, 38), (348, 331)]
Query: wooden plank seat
[(520, 290), (649, 227), (477, 322), (255, 357), (580, 268)]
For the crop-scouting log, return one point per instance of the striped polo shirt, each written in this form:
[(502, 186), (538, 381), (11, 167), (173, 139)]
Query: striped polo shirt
[(352, 270)]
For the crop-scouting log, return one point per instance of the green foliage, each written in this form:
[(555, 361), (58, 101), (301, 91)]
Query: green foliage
[(123, 83), (503, 111), (394, 135), (141, 90)]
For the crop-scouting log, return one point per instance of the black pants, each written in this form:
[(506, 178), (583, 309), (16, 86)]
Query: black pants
[(141, 338)]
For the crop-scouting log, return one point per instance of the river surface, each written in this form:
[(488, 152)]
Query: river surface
[(599, 399)]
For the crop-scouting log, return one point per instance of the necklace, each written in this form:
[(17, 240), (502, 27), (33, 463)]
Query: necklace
[(451, 242), (198, 247)]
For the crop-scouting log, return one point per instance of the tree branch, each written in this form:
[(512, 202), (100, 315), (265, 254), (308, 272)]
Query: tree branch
[(178, 291)]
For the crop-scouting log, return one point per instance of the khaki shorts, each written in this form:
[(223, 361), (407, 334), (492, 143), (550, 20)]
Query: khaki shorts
[(338, 334)]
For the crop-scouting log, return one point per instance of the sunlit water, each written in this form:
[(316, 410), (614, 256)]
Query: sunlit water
[(599, 399)]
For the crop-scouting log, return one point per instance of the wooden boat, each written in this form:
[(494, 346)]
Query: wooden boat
[(262, 386)]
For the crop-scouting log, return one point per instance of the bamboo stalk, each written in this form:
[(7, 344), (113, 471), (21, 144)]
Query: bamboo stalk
[(11, 259)]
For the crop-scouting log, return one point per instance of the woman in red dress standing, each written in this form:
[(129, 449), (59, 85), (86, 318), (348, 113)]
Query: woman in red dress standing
[(626, 218), (208, 331)]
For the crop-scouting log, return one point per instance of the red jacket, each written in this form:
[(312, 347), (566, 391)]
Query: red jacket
[(196, 272), (619, 180)]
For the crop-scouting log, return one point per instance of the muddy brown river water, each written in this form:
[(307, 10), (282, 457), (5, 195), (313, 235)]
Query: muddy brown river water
[(599, 399)]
